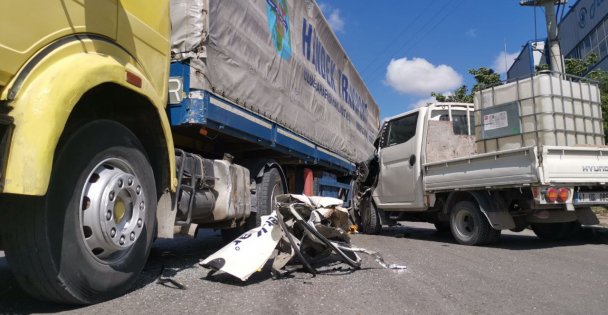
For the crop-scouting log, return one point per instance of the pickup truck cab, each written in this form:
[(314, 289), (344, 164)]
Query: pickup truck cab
[(426, 168)]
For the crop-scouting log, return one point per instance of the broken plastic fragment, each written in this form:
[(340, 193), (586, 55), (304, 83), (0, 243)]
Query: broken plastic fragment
[(378, 259), (256, 245)]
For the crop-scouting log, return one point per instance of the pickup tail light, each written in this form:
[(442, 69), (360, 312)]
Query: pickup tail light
[(563, 194), (551, 194), (557, 194)]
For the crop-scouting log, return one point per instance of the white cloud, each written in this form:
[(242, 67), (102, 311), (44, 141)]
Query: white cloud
[(424, 102), (472, 33), (419, 77), (501, 64), (334, 17), (335, 21)]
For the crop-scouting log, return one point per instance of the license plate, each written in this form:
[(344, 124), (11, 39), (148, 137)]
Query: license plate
[(591, 197)]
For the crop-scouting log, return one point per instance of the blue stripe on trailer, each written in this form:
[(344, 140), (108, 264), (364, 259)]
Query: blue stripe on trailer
[(177, 112), (208, 110)]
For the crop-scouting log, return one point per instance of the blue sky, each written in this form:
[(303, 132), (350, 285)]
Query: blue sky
[(438, 40)]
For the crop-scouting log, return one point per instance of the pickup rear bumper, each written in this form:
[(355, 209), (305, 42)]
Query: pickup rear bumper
[(6, 130)]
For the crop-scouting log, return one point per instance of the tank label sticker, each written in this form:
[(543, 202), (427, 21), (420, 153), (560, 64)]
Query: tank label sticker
[(495, 121)]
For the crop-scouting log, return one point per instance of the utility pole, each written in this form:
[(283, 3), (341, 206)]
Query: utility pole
[(557, 60)]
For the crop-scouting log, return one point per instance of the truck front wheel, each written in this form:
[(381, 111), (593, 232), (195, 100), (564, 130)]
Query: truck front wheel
[(469, 226), (88, 239), (370, 220)]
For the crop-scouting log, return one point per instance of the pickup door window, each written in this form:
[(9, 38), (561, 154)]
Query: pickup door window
[(399, 164)]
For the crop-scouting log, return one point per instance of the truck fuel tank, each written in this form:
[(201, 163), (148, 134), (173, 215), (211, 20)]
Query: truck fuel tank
[(211, 190)]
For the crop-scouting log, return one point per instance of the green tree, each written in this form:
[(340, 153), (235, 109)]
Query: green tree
[(461, 95), (579, 67), (485, 77)]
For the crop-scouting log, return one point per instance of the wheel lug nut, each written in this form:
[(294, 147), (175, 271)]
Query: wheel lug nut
[(138, 189), (132, 235), (112, 195), (120, 183), (130, 181), (108, 215), (141, 206), (122, 240), (113, 232), (139, 222)]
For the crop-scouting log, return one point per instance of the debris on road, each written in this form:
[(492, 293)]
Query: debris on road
[(309, 228)]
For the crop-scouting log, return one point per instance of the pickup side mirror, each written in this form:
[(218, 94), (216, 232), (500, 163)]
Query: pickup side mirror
[(412, 159)]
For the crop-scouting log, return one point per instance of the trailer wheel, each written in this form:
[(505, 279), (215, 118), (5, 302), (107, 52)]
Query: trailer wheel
[(370, 220), (469, 226), (268, 187), (88, 239), (554, 231)]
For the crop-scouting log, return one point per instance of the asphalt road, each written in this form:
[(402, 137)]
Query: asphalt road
[(519, 275)]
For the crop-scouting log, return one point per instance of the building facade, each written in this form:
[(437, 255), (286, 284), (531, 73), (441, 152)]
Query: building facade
[(582, 31), (532, 55)]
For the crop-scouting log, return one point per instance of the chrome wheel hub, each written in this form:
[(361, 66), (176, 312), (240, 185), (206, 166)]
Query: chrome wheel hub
[(465, 223), (113, 208)]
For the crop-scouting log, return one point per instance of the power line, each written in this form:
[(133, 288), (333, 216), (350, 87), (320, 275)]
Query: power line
[(408, 45), (382, 52)]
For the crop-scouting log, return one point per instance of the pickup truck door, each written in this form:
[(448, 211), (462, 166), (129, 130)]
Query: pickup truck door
[(400, 182)]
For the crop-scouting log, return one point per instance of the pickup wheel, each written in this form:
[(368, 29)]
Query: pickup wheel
[(370, 220), (88, 239), (469, 226), (554, 231)]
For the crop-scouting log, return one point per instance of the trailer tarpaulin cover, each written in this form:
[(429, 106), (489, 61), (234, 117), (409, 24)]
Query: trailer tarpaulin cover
[(278, 58)]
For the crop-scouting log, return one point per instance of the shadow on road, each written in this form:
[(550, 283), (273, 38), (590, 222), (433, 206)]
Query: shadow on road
[(509, 240), (168, 256), (14, 300)]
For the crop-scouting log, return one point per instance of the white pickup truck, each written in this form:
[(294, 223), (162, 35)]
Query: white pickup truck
[(425, 168)]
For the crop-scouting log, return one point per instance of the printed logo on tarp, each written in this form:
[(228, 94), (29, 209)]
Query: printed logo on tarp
[(278, 22)]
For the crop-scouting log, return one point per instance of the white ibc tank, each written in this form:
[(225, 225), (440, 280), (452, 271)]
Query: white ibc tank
[(542, 110)]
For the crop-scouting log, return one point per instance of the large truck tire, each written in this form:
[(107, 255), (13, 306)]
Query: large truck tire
[(469, 226), (370, 219), (88, 239), (554, 231), (268, 186)]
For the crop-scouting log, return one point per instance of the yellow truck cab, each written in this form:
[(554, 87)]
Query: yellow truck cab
[(83, 133), (122, 121)]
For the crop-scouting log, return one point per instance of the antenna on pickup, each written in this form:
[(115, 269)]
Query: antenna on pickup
[(557, 60)]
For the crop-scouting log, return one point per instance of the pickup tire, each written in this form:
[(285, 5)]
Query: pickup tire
[(88, 239), (469, 226), (370, 220), (555, 231)]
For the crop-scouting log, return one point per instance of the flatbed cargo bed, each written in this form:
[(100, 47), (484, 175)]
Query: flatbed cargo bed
[(534, 165)]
